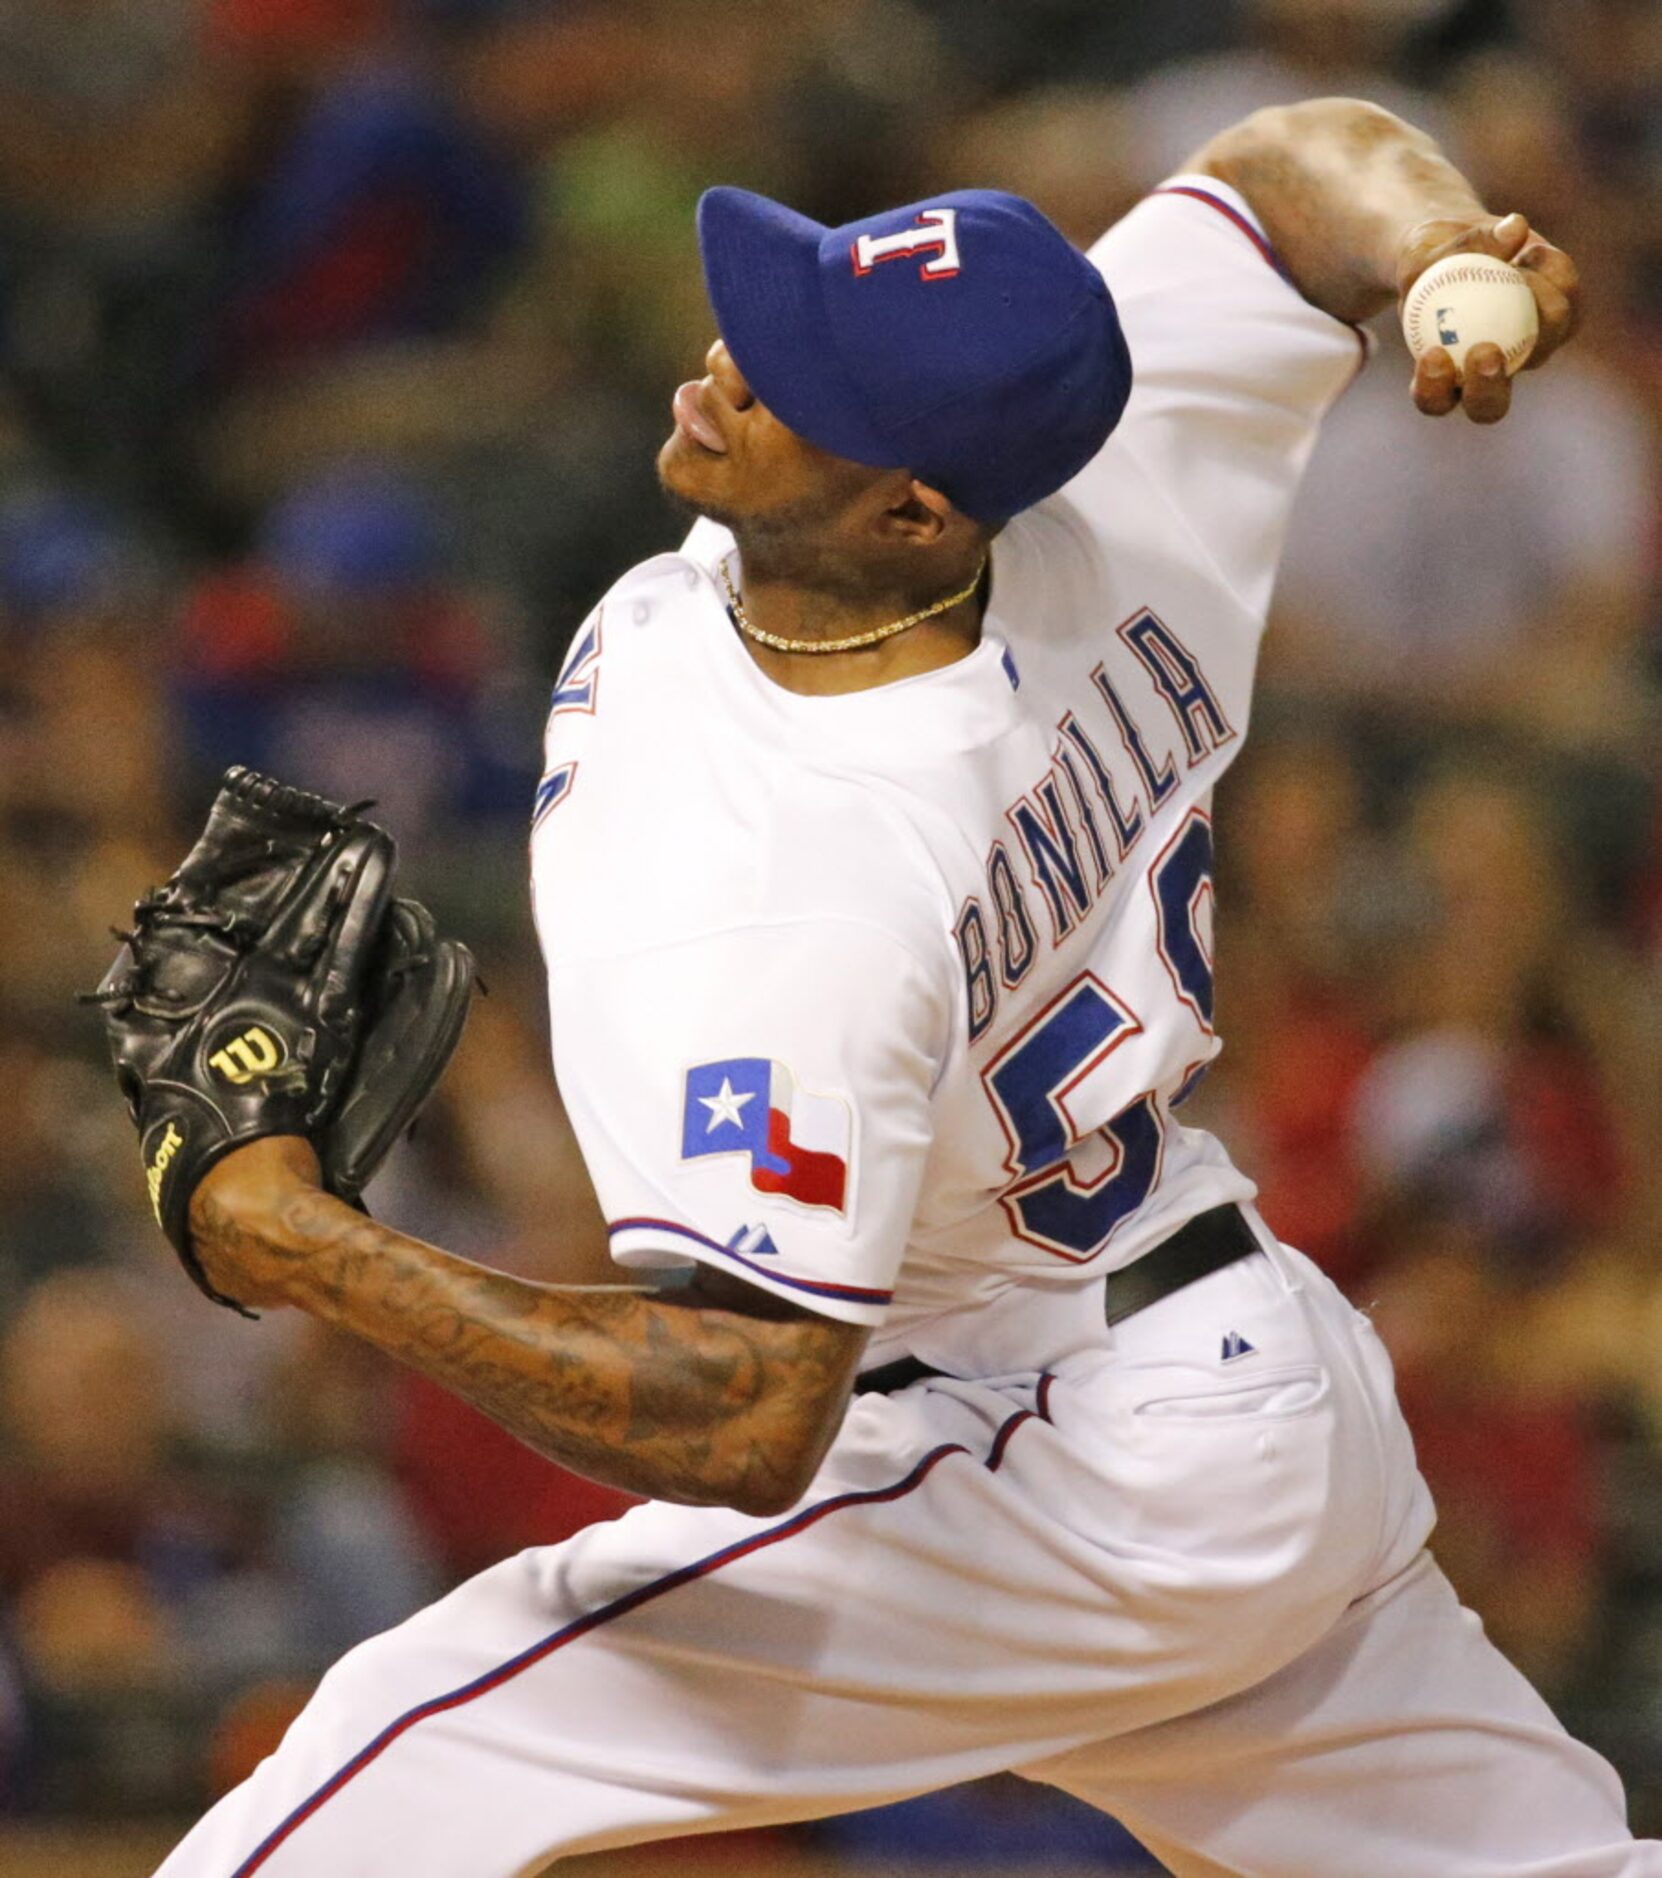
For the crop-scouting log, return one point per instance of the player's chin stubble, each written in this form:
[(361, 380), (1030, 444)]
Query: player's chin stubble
[(781, 542)]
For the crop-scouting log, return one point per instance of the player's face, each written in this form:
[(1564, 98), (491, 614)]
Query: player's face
[(730, 458)]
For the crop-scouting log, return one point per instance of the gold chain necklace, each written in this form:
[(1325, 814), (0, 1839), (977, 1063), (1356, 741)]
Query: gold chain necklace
[(741, 619)]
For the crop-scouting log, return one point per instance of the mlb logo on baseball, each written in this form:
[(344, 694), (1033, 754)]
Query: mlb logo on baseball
[(798, 1143)]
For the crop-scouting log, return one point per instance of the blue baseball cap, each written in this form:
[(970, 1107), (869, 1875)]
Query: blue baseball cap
[(963, 338)]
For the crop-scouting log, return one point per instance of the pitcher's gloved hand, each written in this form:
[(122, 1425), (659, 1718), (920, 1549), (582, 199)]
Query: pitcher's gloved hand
[(273, 986)]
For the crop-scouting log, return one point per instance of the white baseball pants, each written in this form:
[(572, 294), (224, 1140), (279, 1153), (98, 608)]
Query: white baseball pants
[(1192, 1592)]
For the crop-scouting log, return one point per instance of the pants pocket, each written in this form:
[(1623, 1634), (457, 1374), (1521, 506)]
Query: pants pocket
[(1272, 1396)]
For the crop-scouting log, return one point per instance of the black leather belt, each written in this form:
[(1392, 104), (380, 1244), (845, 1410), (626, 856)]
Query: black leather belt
[(1205, 1244)]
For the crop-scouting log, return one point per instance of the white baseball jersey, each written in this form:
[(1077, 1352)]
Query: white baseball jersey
[(887, 1001)]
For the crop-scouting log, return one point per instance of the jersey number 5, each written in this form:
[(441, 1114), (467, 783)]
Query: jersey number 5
[(1038, 1078)]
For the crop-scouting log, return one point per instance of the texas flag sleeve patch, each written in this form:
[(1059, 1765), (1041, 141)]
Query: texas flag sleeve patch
[(797, 1143)]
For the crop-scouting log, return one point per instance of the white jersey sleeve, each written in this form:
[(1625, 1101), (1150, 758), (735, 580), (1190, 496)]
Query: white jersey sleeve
[(758, 1100), (1232, 372)]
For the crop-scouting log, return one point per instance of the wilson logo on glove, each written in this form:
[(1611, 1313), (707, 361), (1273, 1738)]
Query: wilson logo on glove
[(255, 1053), (157, 1164)]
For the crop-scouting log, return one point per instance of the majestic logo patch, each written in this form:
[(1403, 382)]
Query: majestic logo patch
[(797, 1142), (252, 1052), (155, 1170), (753, 1242), (935, 233), (1234, 1346)]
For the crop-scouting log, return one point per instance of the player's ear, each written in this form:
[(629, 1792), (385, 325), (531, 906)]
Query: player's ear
[(915, 512)]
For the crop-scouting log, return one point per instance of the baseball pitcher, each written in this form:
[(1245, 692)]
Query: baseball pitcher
[(980, 1421)]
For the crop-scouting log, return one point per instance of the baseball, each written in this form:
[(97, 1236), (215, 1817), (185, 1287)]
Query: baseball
[(1466, 299)]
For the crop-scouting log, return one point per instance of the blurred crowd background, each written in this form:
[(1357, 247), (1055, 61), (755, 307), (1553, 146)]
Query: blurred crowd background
[(336, 340)]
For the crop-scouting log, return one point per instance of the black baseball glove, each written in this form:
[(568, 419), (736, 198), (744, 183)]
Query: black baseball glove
[(274, 987)]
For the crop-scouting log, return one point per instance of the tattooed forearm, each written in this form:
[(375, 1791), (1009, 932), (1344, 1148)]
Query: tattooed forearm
[(662, 1395), (1337, 184)]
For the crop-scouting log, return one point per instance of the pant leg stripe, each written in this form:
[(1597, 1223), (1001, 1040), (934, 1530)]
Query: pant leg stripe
[(1002, 1439), (619, 1607)]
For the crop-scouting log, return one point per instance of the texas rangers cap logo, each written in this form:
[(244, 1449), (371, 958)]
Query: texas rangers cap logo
[(935, 233), (797, 1142)]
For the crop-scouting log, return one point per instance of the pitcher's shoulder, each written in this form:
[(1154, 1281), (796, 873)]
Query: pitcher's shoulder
[(703, 845)]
